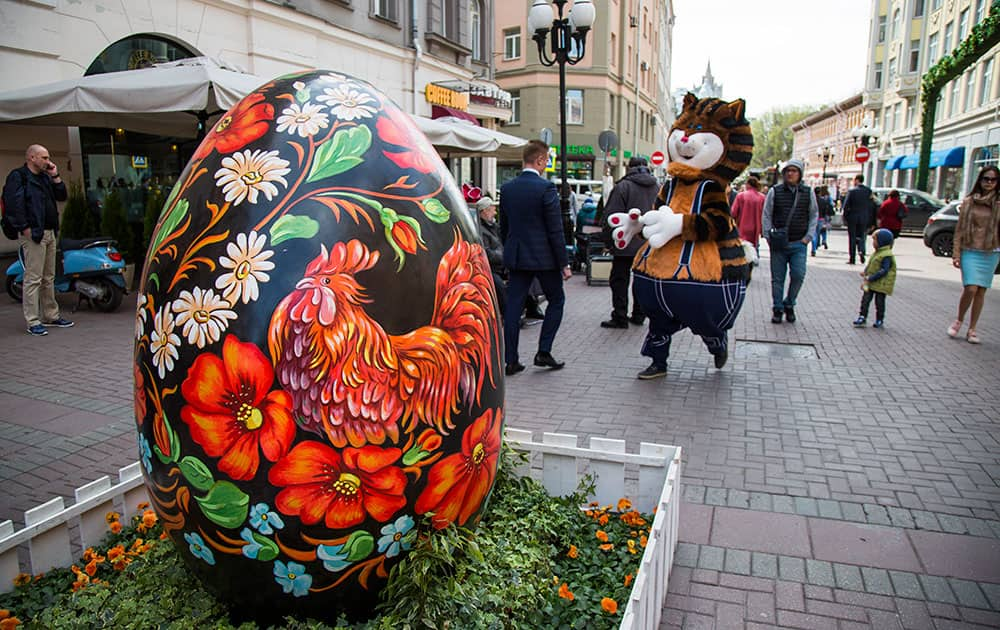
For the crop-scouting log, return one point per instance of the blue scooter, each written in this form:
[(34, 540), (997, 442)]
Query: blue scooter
[(91, 267)]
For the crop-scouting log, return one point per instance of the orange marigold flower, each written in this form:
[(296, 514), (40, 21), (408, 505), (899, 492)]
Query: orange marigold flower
[(565, 593), (91, 568), (572, 553), (10, 623), (624, 505), (607, 547), (149, 518), (115, 527), (628, 579), (603, 520), (4, 613), (111, 517), (164, 536), (643, 540), (143, 506), (21, 579), (78, 585), (121, 564), (609, 605), (116, 553), (602, 535)]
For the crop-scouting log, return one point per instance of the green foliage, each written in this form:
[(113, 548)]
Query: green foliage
[(983, 37), (154, 203), (773, 137), (77, 219), (340, 154), (503, 575), (114, 223)]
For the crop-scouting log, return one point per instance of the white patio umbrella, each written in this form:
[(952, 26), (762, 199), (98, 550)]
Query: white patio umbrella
[(168, 99)]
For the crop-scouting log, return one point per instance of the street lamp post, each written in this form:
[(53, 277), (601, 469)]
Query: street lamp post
[(561, 32), (865, 135), (825, 153)]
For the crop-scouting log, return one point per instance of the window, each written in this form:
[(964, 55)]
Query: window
[(614, 50), (895, 25), (476, 26), (986, 82), (896, 116), (963, 25), (970, 88), (878, 75), (911, 112), (515, 107), (645, 23), (385, 9), (512, 43), (887, 123), (980, 13), (953, 101), (918, 8), (932, 49), (949, 37), (914, 55), (631, 62), (892, 70), (574, 107), (935, 5), (611, 109), (881, 29)]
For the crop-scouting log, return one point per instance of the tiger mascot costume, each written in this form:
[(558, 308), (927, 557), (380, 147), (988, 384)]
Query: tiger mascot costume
[(693, 270)]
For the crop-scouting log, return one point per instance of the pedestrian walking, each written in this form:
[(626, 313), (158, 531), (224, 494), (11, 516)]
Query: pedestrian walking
[(533, 247), (637, 189), (747, 210), (30, 195), (976, 249), (858, 216), (878, 278), (891, 213), (489, 231), (823, 219), (789, 222)]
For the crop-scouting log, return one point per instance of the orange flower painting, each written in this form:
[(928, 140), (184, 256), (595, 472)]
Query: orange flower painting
[(240, 126)]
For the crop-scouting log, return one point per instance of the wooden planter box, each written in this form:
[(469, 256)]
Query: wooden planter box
[(57, 534)]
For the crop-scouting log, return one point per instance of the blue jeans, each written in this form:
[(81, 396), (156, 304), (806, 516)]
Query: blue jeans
[(792, 260), (820, 238)]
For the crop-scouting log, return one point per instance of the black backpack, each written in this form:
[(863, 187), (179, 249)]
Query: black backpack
[(8, 229)]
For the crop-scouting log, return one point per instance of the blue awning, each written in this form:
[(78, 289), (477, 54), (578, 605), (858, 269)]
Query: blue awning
[(910, 161), (893, 162), (954, 156)]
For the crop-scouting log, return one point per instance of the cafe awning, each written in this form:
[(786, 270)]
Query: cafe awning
[(953, 157)]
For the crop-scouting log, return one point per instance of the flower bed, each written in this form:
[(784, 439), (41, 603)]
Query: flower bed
[(535, 561)]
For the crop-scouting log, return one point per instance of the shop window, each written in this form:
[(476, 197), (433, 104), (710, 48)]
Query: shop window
[(138, 51), (986, 156), (512, 43)]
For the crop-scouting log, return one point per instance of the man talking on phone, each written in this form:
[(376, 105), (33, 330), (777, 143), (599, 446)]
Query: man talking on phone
[(30, 196)]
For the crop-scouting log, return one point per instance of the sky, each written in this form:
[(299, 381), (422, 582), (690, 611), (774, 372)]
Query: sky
[(773, 53)]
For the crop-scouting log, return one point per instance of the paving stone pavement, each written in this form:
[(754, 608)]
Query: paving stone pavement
[(833, 477)]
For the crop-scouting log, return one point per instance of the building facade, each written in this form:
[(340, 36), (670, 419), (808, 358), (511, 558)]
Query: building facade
[(707, 89), (620, 85), (433, 57), (830, 133), (907, 38)]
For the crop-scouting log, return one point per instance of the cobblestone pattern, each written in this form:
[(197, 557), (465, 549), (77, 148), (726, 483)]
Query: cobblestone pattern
[(870, 513)]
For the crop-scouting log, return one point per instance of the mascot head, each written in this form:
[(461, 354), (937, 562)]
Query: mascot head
[(711, 139)]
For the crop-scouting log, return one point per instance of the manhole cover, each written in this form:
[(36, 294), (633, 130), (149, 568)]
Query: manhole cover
[(751, 349)]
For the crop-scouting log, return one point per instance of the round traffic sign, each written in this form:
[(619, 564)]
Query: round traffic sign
[(657, 158), (862, 154)]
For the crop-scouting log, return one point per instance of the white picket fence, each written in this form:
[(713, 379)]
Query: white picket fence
[(657, 486), (53, 531)]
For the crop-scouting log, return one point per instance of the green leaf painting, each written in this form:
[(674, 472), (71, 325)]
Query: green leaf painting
[(268, 550), (225, 505), (174, 444), (292, 226), (340, 153), (436, 211), (197, 473), (169, 223)]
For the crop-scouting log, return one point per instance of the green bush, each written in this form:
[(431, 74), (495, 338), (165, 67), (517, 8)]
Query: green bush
[(77, 219), (114, 223)]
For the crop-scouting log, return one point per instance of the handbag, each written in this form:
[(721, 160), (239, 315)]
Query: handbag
[(777, 238)]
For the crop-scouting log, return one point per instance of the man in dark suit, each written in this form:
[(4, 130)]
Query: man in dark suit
[(534, 247), (858, 213)]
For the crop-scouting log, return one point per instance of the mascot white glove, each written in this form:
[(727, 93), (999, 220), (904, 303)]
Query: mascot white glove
[(658, 226)]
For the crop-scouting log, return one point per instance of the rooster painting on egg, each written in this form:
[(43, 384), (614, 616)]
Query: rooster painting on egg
[(693, 270), (317, 351)]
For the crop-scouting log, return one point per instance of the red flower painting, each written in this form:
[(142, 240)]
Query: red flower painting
[(395, 128), (339, 488), (247, 121), (458, 484), (231, 411)]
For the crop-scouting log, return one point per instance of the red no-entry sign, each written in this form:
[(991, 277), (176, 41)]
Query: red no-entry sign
[(862, 154), (657, 158)]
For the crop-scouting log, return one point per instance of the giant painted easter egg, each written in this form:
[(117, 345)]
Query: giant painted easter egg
[(317, 352)]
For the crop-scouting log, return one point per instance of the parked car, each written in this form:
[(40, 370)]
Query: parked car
[(939, 233), (920, 206)]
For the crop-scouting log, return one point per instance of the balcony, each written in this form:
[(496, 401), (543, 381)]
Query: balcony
[(906, 85), (872, 99)]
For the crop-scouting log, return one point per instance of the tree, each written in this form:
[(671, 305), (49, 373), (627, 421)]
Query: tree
[(114, 223), (773, 137), (77, 219)]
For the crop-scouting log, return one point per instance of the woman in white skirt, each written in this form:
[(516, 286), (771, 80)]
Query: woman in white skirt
[(977, 248)]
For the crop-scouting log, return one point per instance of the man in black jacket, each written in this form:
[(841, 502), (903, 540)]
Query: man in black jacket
[(859, 210), (489, 231), (30, 195), (789, 206), (636, 190)]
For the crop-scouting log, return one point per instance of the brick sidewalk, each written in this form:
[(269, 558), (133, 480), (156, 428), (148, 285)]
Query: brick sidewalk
[(834, 478)]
